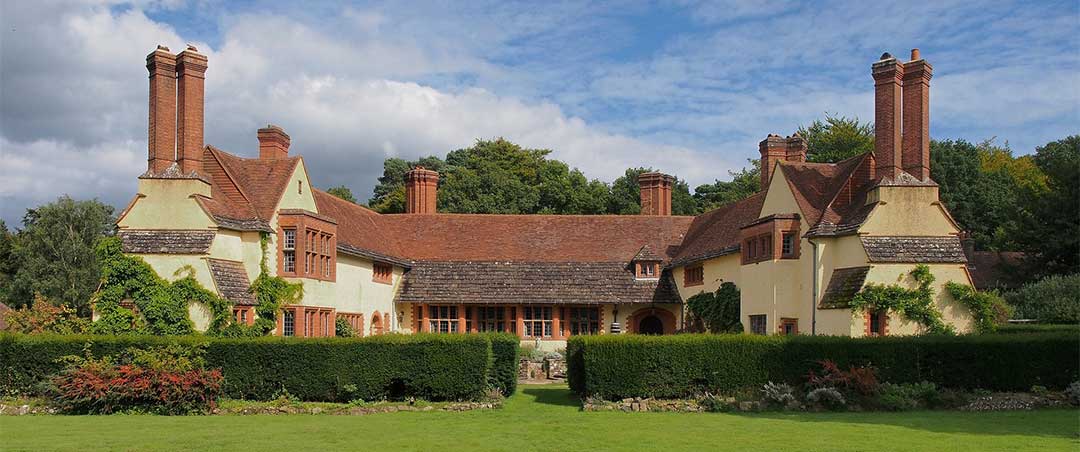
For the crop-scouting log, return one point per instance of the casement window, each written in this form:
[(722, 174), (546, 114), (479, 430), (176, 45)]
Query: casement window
[(584, 320), (244, 315), (876, 321), (694, 276), (648, 270), (383, 273), (758, 248), (789, 327), (789, 245), (288, 247), (537, 321), (491, 319), (288, 322), (758, 324), (443, 319)]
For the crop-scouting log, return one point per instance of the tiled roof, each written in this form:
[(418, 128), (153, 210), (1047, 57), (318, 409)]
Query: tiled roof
[(244, 192), (232, 281), (154, 241), (716, 232), (994, 269), (816, 186), (532, 238), (913, 249), (647, 254), (532, 283), (357, 231), (843, 285)]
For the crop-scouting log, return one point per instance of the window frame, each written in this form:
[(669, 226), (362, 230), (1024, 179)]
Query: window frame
[(793, 251), (759, 324), (578, 317), (288, 323), (647, 270), (531, 321), (440, 315), (694, 276), (786, 322), (382, 272)]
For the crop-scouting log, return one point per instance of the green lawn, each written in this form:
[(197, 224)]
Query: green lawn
[(548, 418)]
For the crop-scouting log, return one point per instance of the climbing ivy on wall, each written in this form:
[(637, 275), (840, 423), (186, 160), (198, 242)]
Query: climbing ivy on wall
[(719, 311), (271, 292), (163, 305), (988, 309), (916, 304)]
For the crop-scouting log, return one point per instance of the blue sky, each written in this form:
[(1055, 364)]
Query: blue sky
[(683, 86)]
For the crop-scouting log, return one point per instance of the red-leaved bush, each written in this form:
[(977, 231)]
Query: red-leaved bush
[(861, 381), (169, 380)]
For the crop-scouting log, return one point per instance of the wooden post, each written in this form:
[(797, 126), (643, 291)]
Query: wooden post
[(520, 321), (556, 320), (461, 319), (425, 326)]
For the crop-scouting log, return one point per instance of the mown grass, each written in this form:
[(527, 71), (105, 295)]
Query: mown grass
[(548, 418)]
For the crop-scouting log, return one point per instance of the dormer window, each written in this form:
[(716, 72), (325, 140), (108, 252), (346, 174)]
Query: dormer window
[(648, 270)]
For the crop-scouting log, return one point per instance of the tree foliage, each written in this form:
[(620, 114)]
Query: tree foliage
[(1050, 227), (54, 253), (837, 138), (743, 183), (342, 192), (982, 198)]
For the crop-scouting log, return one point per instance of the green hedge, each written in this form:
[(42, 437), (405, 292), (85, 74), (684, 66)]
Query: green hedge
[(679, 366), (428, 366), (1018, 328), (504, 369)]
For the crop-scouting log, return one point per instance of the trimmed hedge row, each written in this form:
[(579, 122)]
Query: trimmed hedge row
[(428, 366), (679, 366)]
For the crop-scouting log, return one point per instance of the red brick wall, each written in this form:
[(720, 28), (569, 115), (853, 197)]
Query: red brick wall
[(162, 134), (887, 115), (191, 72), (916, 135)]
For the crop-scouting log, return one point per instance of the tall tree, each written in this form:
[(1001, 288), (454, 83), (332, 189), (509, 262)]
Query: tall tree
[(743, 183), (837, 138), (626, 195), (55, 252), (7, 262), (1051, 226), (983, 202), (342, 192)]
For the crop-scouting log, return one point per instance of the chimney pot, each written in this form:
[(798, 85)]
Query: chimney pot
[(914, 54), (273, 142), (655, 193), (421, 190)]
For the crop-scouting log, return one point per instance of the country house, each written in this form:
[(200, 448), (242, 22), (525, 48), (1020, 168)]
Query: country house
[(798, 250)]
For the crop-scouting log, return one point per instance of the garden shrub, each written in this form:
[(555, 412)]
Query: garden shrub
[(158, 380), (616, 366), (426, 366), (44, 317), (504, 368), (909, 396), (827, 397), (342, 328), (777, 394), (1054, 299), (857, 381)]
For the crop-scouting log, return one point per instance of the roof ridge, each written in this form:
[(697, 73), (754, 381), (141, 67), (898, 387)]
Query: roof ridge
[(213, 152), (847, 179)]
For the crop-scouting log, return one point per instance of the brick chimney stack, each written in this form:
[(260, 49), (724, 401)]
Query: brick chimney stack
[(773, 149), (273, 142), (191, 74), (796, 148), (162, 135), (888, 74), (655, 193), (915, 156), (421, 190)]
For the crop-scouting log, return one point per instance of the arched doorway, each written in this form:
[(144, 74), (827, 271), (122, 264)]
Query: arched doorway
[(650, 324)]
